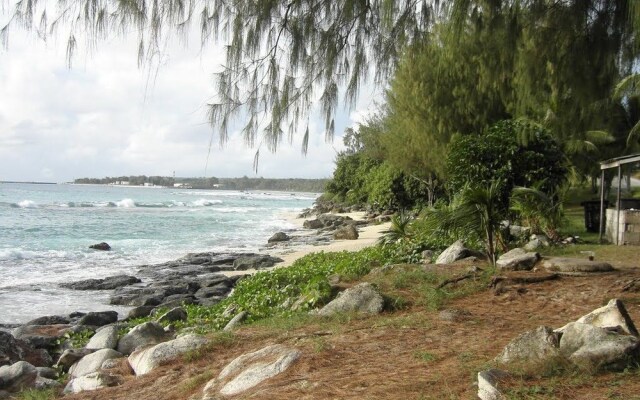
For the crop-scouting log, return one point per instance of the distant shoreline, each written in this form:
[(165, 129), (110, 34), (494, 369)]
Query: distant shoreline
[(32, 183)]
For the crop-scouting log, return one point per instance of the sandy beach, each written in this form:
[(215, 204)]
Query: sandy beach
[(368, 236)]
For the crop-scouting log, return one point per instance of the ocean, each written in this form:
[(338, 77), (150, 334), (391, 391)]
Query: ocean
[(46, 231)]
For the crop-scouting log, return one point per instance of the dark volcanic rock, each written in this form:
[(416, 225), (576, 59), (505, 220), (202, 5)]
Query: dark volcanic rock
[(50, 320), (108, 283), (99, 318), (218, 290), (255, 262), (41, 336), (278, 237), (138, 312), (13, 350), (100, 246)]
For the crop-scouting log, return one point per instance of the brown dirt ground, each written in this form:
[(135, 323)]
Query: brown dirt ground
[(409, 354)]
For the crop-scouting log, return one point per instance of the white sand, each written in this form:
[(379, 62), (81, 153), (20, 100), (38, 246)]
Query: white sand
[(368, 235)]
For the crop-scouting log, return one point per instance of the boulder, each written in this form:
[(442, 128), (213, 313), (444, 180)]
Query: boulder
[(99, 318), (531, 347), (13, 350), (175, 314), (141, 335), (488, 384), (312, 224), (254, 262), (251, 369), (100, 246), (50, 320), (105, 338), (235, 321), (109, 283), (94, 381), (43, 383), (278, 237), (598, 348), (146, 359), (140, 312), (613, 316), (455, 252), (573, 265), (18, 376), (46, 372), (517, 260), (70, 357), (537, 241), (348, 232), (92, 362), (41, 336), (362, 298), (221, 289)]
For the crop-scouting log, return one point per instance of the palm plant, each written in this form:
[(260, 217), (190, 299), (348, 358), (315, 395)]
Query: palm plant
[(473, 209), (541, 211), (400, 229)]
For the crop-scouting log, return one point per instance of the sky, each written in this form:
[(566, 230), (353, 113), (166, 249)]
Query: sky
[(107, 117)]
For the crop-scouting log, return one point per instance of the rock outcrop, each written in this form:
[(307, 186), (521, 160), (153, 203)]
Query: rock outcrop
[(517, 260), (146, 359), (142, 335), (249, 370), (362, 298)]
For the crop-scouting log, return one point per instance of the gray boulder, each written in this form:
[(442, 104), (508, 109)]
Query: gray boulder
[(18, 376), (92, 362), (362, 298), (348, 232), (94, 381), (146, 359), (173, 315), (41, 336), (99, 318), (139, 312), (108, 283), (50, 320), (141, 335), (43, 383), (278, 237), (537, 241), (70, 357), (531, 347), (254, 262), (517, 260), (573, 265), (312, 224), (455, 252), (251, 369), (613, 315), (105, 338), (598, 348), (488, 384)]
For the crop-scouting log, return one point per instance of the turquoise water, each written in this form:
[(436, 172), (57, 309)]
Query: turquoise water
[(45, 231)]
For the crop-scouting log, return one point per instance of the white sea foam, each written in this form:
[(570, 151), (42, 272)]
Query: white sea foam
[(27, 204), (125, 203), (205, 202)]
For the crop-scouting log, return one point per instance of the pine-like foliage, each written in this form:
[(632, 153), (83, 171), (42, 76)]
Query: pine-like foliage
[(282, 57)]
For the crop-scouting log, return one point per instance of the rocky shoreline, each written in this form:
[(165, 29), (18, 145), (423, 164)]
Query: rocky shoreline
[(197, 278)]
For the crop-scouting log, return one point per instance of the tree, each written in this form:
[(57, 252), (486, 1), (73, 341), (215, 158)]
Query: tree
[(283, 57), (280, 55), (497, 155)]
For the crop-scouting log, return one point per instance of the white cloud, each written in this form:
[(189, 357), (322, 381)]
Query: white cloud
[(106, 117)]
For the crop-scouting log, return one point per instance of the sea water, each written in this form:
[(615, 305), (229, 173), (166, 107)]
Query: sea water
[(46, 231)]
